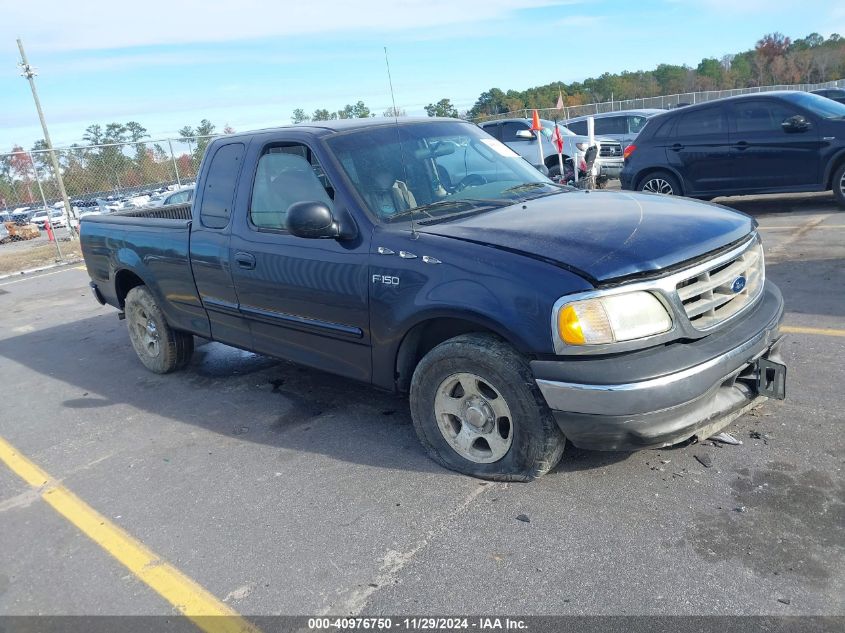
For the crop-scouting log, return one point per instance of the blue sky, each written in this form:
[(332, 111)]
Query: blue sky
[(249, 63)]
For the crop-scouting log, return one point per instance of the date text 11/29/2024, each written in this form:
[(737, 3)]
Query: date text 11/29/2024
[(418, 624)]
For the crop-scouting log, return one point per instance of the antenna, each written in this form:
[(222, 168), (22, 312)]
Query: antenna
[(414, 234)]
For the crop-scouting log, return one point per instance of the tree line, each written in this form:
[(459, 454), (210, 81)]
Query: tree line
[(776, 59), (113, 157)]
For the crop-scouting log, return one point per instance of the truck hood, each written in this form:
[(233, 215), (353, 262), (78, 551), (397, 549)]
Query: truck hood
[(603, 235)]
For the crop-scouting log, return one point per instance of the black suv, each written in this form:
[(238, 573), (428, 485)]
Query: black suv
[(774, 142)]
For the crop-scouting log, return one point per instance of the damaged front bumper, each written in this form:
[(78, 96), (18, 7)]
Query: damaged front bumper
[(665, 395)]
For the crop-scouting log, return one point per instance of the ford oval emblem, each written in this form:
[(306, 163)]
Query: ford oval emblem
[(738, 284)]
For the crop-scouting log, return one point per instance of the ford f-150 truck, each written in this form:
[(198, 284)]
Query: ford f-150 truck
[(424, 256)]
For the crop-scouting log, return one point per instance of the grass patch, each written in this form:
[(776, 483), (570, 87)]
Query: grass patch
[(41, 255)]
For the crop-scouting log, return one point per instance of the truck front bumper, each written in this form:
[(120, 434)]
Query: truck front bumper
[(665, 395)]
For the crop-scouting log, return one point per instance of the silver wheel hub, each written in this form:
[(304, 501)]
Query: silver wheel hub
[(146, 332), (658, 185), (473, 418)]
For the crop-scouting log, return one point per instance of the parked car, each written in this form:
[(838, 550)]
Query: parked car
[(4, 233), (772, 142), (622, 126), (424, 256), (57, 217), (517, 134), (180, 196), (837, 94)]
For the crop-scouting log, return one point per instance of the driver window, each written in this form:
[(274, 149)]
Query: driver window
[(286, 175)]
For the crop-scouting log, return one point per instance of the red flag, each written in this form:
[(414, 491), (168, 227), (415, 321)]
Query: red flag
[(535, 122), (557, 139), (559, 105)]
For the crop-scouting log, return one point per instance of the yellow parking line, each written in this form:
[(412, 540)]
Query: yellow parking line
[(793, 329), (80, 267), (189, 598)]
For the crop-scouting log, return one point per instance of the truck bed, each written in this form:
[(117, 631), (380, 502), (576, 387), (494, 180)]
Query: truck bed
[(155, 245), (169, 212)]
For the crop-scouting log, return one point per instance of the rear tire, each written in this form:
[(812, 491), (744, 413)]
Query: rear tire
[(500, 427), (839, 185), (660, 182), (159, 347)]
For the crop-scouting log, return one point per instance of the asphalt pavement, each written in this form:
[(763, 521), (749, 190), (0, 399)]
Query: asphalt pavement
[(282, 490)]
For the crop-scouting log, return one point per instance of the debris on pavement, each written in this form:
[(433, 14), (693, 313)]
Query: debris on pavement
[(523, 517), (784, 600), (726, 438), (704, 459)]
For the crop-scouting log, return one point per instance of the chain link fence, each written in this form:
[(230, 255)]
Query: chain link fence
[(663, 102), (116, 175)]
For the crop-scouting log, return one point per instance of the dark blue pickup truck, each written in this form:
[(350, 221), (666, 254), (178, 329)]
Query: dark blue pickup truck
[(426, 257)]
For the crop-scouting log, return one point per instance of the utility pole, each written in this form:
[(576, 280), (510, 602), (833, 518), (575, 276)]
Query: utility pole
[(29, 73)]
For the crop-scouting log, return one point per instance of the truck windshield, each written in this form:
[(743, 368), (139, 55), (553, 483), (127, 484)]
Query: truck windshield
[(432, 170)]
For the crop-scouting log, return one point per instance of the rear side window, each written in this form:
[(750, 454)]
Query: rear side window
[(218, 192), (611, 125), (509, 130), (707, 122), (579, 127), (636, 123), (493, 129)]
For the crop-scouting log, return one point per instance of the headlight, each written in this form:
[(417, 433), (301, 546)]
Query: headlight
[(612, 319), (582, 147)]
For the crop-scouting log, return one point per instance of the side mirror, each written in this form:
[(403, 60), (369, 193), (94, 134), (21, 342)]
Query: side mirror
[(313, 220), (795, 123), (528, 135)]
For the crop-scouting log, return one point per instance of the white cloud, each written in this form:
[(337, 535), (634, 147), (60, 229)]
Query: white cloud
[(58, 25)]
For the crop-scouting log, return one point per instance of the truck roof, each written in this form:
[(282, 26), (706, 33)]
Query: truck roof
[(343, 125)]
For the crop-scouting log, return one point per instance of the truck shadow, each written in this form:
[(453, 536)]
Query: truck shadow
[(238, 394)]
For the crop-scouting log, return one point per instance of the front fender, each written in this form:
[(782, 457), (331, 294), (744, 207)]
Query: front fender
[(509, 294)]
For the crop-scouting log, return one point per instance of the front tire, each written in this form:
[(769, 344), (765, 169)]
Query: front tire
[(839, 185), (660, 182), (159, 347), (477, 410)]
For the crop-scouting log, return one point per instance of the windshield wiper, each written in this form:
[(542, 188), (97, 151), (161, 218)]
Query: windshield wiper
[(449, 204), (526, 186)]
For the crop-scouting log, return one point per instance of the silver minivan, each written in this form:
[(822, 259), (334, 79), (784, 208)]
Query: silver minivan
[(622, 126)]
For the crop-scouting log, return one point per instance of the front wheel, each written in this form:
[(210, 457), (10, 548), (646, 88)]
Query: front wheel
[(477, 410), (159, 347), (660, 182), (839, 185)]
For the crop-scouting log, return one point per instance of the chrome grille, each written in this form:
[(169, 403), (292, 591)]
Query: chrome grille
[(609, 150), (714, 295)]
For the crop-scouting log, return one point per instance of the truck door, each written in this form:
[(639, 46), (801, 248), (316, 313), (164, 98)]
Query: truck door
[(306, 300), (210, 232)]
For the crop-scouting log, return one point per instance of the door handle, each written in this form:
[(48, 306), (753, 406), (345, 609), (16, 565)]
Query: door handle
[(677, 147), (245, 260), (741, 145)]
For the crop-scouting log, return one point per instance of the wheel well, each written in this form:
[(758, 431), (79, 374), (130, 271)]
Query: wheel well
[(424, 337), (836, 165), (124, 281)]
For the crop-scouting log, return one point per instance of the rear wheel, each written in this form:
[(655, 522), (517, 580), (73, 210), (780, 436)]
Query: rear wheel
[(660, 182), (159, 347), (839, 185), (477, 410)]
